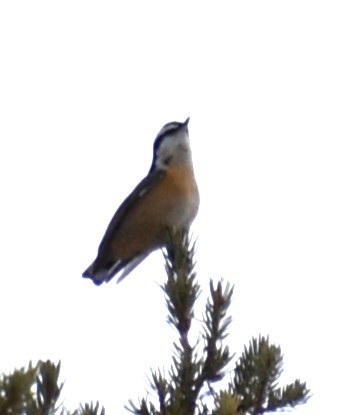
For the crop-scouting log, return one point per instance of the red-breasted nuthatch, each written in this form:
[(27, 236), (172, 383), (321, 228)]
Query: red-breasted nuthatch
[(167, 198)]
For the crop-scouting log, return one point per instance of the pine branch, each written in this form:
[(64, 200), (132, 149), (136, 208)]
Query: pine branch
[(142, 408), (291, 395), (188, 372), (48, 389), (16, 393), (160, 385), (35, 391), (258, 369), (181, 291), (90, 409), (227, 404), (253, 389), (215, 328), (255, 380)]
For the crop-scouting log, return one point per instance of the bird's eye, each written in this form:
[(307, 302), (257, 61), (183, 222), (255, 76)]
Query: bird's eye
[(168, 160)]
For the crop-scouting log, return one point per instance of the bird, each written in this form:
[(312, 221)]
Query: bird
[(166, 199)]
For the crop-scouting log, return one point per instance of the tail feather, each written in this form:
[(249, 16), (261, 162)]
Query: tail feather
[(130, 266), (100, 274)]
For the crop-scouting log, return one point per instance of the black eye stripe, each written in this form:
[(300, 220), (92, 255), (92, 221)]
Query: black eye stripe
[(167, 129)]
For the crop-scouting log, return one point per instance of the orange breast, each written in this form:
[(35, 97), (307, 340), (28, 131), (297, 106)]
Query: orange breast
[(173, 202)]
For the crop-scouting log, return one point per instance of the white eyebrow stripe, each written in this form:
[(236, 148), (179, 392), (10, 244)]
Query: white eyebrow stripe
[(169, 127)]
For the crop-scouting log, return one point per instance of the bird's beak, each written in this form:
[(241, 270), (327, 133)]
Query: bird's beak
[(186, 122)]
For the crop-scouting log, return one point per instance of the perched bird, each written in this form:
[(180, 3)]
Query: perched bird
[(167, 198)]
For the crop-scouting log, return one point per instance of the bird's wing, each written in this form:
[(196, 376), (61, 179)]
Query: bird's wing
[(135, 196), (103, 270)]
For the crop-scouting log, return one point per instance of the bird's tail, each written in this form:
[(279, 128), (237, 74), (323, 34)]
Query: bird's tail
[(99, 274)]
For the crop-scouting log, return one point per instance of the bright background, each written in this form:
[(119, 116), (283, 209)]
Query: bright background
[(84, 88)]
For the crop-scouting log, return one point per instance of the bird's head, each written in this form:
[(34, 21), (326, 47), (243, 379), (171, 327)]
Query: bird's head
[(171, 146)]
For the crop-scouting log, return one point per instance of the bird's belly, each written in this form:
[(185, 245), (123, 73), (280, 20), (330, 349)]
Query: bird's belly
[(170, 205), (182, 213)]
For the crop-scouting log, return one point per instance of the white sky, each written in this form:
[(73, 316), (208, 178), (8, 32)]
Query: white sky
[(84, 88)]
